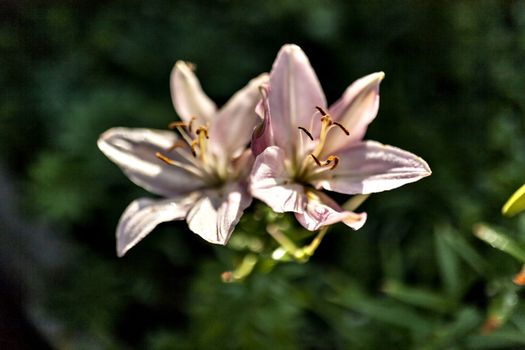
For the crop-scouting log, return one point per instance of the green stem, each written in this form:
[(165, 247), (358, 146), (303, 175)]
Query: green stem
[(243, 270), (282, 239), (310, 249)]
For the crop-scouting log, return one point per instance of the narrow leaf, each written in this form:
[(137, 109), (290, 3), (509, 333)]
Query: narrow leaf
[(500, 241)]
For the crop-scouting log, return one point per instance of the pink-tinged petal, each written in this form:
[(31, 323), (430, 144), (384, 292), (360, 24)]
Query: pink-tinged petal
[(355, 110), (133, 150), (321, 211), (232, 127), (187, 96), (144, 214), (294, 93), (262, 136), (369, 167), (271, 183), (242, 165), (216, 213)]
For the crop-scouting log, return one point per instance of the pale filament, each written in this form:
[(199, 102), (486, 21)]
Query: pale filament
[(194, 170)]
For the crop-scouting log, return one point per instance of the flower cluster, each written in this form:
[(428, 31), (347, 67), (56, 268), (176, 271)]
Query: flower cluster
[(299, 147)]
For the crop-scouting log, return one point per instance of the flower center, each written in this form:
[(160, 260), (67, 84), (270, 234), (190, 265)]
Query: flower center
[(312, 165), (195, 141)]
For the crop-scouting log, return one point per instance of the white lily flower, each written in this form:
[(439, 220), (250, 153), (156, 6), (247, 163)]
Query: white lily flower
[(304, 147), (201, 171)]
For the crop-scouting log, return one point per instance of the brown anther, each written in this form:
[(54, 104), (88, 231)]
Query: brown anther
[(202, 129), (345, 130), (332, 159), (306, 132), (323, 113), (177, 144), (176, 125), (191, 123), (316, 160), (194, 145), (164, 158)]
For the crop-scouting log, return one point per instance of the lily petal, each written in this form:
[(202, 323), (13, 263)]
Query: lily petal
[(294, 93), (133, 150), (355, 110), (232, 128), (321, 210), (144, 214), (369, 167), (242, 165), (216, 213), (187, 96), (262, 135), (271, 184)]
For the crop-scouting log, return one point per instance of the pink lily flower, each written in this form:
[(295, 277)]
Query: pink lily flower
[(202, 171), (303, 147)]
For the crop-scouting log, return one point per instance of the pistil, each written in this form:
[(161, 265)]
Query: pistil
[(326, 122), (202, 137)]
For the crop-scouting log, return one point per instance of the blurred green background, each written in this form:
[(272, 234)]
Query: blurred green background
[(413, 278)]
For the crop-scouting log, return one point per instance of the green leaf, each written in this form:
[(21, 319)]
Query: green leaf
[(418, 297), (448, 263), (500, 241), (503, 339), (465, 251)]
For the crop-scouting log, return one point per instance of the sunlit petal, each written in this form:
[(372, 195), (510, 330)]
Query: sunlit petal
[(321, 211), (233, 125), (271, 183), (144, 214), (369, 167), (133, 150), (187, 96), (355, 110), (294, 93), (216, 213)]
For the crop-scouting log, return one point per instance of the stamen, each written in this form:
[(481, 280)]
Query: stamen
[(179, 125), (323, 113), (345, 130), (191, 123), (306, 132), (175, 125), (334, 159), (177, 144), (164, 158), (188, 167), (316, 160), (194, 145)]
